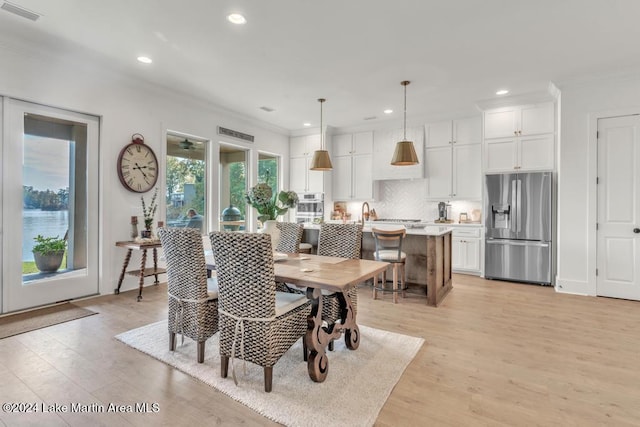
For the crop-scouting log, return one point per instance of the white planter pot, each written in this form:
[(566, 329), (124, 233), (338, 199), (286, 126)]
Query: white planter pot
[(271, 228)]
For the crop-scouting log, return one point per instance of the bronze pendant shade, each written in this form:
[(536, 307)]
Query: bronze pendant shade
[(405, 153), (321, 160)]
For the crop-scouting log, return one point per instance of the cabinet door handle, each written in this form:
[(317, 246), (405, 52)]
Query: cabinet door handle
[(636, 230), (515, 132)]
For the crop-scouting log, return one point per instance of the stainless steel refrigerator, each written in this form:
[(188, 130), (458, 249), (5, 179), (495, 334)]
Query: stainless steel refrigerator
[(518, 227)]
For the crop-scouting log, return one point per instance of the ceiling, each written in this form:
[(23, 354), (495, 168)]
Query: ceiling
[(355, 53)]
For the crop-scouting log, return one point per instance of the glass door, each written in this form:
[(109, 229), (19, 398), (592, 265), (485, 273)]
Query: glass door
[(49, 205)]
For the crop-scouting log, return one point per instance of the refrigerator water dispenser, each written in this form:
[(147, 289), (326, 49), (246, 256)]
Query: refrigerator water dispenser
[(501, 216)]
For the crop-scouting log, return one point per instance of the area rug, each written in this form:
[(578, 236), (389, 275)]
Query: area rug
[(41, 318), (357, 386)]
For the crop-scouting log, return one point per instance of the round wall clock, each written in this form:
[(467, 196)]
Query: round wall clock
[(137, 166)]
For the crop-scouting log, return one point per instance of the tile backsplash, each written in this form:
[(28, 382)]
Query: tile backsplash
[(405, 199)]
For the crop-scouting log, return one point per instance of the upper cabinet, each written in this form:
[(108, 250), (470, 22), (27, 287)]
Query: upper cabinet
[(520, 138), (352, 166), (384, 145), (301, 179), (523, 120), (453, 165)]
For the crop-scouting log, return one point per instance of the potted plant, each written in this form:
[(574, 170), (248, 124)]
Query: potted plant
[(270, 205), (48, 253)]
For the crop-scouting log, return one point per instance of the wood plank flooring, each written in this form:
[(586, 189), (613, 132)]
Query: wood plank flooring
[(496, 354)]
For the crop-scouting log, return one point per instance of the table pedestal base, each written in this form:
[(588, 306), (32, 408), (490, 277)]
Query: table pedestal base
[(318, 337)]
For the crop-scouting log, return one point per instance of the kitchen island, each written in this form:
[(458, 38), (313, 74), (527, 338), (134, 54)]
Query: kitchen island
[(428, 252), (428, 262)]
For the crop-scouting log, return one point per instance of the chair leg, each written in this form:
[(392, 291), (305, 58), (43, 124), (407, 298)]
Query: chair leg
[(201, 351), (268, 378), (172, 341), (375, 285), (404, 280), (395, 282), (224, 366), (305, 349)]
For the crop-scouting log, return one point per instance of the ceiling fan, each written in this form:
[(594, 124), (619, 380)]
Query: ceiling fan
[(187, 145)]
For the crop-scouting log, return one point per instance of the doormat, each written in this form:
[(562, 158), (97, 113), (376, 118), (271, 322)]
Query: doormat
[(15, 324)]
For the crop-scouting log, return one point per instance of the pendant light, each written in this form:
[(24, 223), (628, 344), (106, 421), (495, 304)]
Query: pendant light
[(321, 160), (405, 154)]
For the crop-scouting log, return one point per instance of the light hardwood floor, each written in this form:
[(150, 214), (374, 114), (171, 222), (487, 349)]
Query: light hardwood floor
[(496, 353)]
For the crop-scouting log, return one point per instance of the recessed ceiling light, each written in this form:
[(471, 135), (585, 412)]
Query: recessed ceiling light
[(306, 124), (388, 111), (145, 59), (236, 18), (502, 92)]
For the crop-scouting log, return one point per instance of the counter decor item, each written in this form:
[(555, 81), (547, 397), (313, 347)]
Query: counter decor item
[(148, 214), (231, 214)]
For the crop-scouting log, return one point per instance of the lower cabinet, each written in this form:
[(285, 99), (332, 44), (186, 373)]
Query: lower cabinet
[(466, 250)]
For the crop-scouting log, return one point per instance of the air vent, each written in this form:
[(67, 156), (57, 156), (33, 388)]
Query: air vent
[(370, 118), (235, 134), (268, 109), (20, 11)]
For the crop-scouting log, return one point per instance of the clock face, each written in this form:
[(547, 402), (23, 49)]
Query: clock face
[(137, 167)]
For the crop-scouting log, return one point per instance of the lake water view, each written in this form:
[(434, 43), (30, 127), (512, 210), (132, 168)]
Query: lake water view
[(47, 223)]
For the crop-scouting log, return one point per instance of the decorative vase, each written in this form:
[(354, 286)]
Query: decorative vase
[(270, 227), (231, 214), (134, 227)]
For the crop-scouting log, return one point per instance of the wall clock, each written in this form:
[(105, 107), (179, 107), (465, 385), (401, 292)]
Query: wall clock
[(137, 165)]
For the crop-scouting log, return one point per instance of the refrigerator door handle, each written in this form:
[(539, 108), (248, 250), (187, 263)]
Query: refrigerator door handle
[(517, 243), (514, 201), (519, 205)]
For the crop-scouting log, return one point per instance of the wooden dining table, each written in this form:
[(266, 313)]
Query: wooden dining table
[(335, 274), (315, 273)]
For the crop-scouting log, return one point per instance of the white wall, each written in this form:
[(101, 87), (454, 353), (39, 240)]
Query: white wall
[(582, 105), (126, 106)]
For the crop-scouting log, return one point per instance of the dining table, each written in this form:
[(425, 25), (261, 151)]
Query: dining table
[(317, 272), (333, 274)]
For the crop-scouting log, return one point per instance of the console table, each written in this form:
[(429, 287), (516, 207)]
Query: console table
[(143, 271)]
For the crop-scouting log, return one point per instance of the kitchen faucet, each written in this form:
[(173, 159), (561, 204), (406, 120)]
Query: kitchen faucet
[(364, 216)]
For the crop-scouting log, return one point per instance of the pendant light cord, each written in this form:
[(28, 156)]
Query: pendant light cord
[(321, 100), (405, 83)]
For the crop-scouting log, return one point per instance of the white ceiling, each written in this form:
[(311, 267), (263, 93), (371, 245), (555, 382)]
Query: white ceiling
[(355, 53)]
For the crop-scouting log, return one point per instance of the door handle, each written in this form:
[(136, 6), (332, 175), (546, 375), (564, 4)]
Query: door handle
[(636, 230)]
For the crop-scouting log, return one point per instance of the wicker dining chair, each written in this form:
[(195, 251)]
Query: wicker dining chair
[(345, 241), (193, 299), (257, 324), (290, 237)]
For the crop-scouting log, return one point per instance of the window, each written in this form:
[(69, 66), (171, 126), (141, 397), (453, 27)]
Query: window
[(185, 182)]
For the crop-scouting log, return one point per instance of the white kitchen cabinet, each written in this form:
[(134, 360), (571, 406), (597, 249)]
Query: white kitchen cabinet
[(465, 254), (301, 179), (520, 138), (526, 153), (459, 131), (352, 166), (384, 145), (466, 245), (534, 119), (453, 161)]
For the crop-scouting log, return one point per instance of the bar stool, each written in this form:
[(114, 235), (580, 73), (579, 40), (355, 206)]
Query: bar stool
[(389, 249)]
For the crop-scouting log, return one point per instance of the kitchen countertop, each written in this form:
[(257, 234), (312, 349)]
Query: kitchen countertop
[(422, 230)]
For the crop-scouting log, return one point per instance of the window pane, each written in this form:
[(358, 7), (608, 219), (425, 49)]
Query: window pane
[(185, 183)]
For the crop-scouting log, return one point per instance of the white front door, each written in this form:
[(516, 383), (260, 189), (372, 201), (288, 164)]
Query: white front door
[(618, 232), (49, 188)]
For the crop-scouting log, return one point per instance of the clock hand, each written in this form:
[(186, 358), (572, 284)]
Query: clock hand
[(137, 166)]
